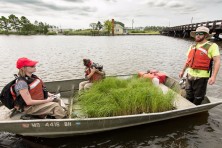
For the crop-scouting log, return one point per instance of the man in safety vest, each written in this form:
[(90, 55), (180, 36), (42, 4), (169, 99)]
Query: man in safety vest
[(203, 63)]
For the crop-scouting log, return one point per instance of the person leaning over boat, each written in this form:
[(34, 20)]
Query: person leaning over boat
[(93, 73), (202, 65), (32, 97)]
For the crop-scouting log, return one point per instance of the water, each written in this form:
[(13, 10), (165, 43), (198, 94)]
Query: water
[(60, 58)]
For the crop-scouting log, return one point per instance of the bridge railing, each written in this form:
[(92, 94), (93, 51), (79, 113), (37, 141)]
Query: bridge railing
[(212, 25), (184, 30)]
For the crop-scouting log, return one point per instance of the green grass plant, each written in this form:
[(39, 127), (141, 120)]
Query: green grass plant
[(114, 97)]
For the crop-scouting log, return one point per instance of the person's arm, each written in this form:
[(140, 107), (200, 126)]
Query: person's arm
[(185, 66), (93, 70), (28, 100), (216, 68), (183, 70)]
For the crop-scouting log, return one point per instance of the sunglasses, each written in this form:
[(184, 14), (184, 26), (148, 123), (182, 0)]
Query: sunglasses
[(200, 33)]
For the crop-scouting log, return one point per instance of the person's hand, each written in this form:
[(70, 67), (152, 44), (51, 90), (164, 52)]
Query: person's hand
[(181, 74), (50, 94), (97, 70), (50, 99), (93, 69), (211, 81)]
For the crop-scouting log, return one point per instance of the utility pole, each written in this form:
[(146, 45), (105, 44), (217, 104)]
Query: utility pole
[(191, 20), (132, 23), (113, 27)]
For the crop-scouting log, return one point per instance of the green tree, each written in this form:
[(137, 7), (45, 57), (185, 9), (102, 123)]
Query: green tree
[(45, 29), (15, 22), (37, 29), (99, 26), (41, 27), (153, 28), (22, 25), (108, 26), (27, 27), (5, 24), (93, 26)]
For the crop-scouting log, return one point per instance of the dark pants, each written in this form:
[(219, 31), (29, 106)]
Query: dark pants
[(196, 89)]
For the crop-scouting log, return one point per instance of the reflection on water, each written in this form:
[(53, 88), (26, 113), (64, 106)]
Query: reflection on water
[(60, 57)]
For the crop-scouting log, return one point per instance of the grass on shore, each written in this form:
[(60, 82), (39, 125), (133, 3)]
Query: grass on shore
[(86, 32), (115, 97), (144, 32)]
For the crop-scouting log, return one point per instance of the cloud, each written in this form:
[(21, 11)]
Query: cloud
[(43, 5), (22, 1), (164, 3), (161, 3), (111, 0), (175, 4), (80, 13), (46, 7), (75, 1)]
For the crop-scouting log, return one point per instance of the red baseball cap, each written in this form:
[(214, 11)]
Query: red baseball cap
[(22, 62)]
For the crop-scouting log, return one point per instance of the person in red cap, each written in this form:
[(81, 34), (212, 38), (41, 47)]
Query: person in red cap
[(202, 65), (31, 95)]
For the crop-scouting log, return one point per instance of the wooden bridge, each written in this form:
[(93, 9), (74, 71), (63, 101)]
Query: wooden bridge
[(184, 30)]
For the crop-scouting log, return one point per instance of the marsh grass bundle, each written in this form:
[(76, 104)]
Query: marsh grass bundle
[(114, 97)]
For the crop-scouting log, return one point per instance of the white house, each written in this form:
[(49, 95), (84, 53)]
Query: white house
[(118, 29)]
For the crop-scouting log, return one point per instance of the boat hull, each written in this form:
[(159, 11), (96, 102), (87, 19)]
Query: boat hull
[(68, 127)]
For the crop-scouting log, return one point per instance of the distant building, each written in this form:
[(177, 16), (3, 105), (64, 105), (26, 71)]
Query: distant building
[(118, 29), (54, 29)]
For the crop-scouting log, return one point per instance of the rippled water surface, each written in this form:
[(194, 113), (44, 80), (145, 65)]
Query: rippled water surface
[(60, 58)]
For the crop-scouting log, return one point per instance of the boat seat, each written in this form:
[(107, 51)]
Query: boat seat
[(179, 101)]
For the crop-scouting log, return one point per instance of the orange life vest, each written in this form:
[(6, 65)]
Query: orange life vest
[(153, 74), (198, 57), (94, 77), (36, 89)]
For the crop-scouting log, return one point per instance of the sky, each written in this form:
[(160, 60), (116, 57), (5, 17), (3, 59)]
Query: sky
[(78, 14)]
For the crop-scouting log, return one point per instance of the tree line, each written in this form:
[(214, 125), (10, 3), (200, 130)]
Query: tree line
[(15, 25), (106, 28), (154, 28), (95, 29), (103, 29)]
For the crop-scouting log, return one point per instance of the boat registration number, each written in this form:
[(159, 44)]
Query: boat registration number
[(47, 124)]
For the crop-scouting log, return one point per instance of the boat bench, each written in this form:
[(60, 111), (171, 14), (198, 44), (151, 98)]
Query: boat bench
[(179, 101)]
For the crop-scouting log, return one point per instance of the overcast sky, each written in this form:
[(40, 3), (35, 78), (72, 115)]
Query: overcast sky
[(80, 13)]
